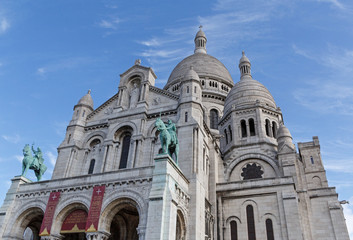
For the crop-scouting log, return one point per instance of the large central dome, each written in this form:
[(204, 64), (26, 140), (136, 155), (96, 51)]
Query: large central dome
[(204, 65)]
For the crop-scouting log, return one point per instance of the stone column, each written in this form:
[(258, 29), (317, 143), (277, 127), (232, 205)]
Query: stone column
[(100, 235), (131, 157)]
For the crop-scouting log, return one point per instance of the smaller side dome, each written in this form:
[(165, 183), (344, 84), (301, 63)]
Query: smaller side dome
[(243, 59), (284, 138), (283, 132), (191, 75), (86, 100)]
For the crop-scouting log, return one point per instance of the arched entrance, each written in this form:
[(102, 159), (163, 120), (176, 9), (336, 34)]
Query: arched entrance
[(28, 224), (73, 227), (121, 218), (125, 223)]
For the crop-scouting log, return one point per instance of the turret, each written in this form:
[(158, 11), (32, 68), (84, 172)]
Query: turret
[(244, 66), (82, 109), (200, 42)]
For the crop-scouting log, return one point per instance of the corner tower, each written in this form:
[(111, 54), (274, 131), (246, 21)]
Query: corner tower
[(251, 118)]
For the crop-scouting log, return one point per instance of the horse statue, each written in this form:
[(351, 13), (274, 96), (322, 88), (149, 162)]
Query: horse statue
[(168, 137), (27, 159), (35, 162)]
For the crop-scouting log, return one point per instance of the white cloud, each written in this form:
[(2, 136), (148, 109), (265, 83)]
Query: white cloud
[(41, 71), (326, 96), (18, 158), (67, 63), (4, 25), (12, 139), (51, 157), (151, 43), (335, 3), (110, 24)]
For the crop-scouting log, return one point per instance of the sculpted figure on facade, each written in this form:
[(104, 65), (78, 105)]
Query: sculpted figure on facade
[(134, 96), (168, 137)]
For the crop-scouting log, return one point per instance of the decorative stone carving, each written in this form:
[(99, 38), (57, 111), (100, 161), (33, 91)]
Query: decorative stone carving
[(109, 111), (134, 96), (52, 237), (100, 235), (156, 101)]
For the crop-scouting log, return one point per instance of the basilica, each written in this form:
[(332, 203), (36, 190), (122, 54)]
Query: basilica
[(237, 175)]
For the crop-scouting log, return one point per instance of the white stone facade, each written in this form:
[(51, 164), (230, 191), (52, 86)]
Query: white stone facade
[(239, 175)]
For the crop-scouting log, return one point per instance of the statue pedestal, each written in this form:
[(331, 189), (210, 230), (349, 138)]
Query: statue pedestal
[(163, 205), (9, 199)]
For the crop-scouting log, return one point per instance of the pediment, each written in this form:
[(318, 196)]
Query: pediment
[(285, 148)]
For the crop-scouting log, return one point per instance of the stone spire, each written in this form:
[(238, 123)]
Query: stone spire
[(200, 42), (244, 66)]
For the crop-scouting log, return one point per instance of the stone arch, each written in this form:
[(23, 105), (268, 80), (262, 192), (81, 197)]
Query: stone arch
[(99, 134), (233, 218), (120, 126), (29, 215), (65, 208), (250, 156), (228, 231), (126, 196), (275, 225), (316, 180), (131, 76), (270, 216), (181, 230), (255, 207)]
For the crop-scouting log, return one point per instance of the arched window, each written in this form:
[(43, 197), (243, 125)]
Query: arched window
[(233, 230), (125, 151), (195, 89), (252, 127), (83, 113), (186, 116), (243, 128), (269, 230), (268, 127), (230, 133), (312, 160), (214, 119), (187, 89), (91, 166), (274, 129), (226, 135), (251, 222)]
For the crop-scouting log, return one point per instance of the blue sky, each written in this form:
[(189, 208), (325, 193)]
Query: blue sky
[(52, 52)]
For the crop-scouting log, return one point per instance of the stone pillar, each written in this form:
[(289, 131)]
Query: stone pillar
[(100, 235), (162, 209), (7, 206), (338, 220), (131, 157), (291, 214)]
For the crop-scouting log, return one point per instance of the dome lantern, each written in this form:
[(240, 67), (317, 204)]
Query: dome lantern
[(200, 42), (244, 66)]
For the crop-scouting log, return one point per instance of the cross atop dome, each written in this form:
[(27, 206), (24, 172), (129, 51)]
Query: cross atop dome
[(200, 41)]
